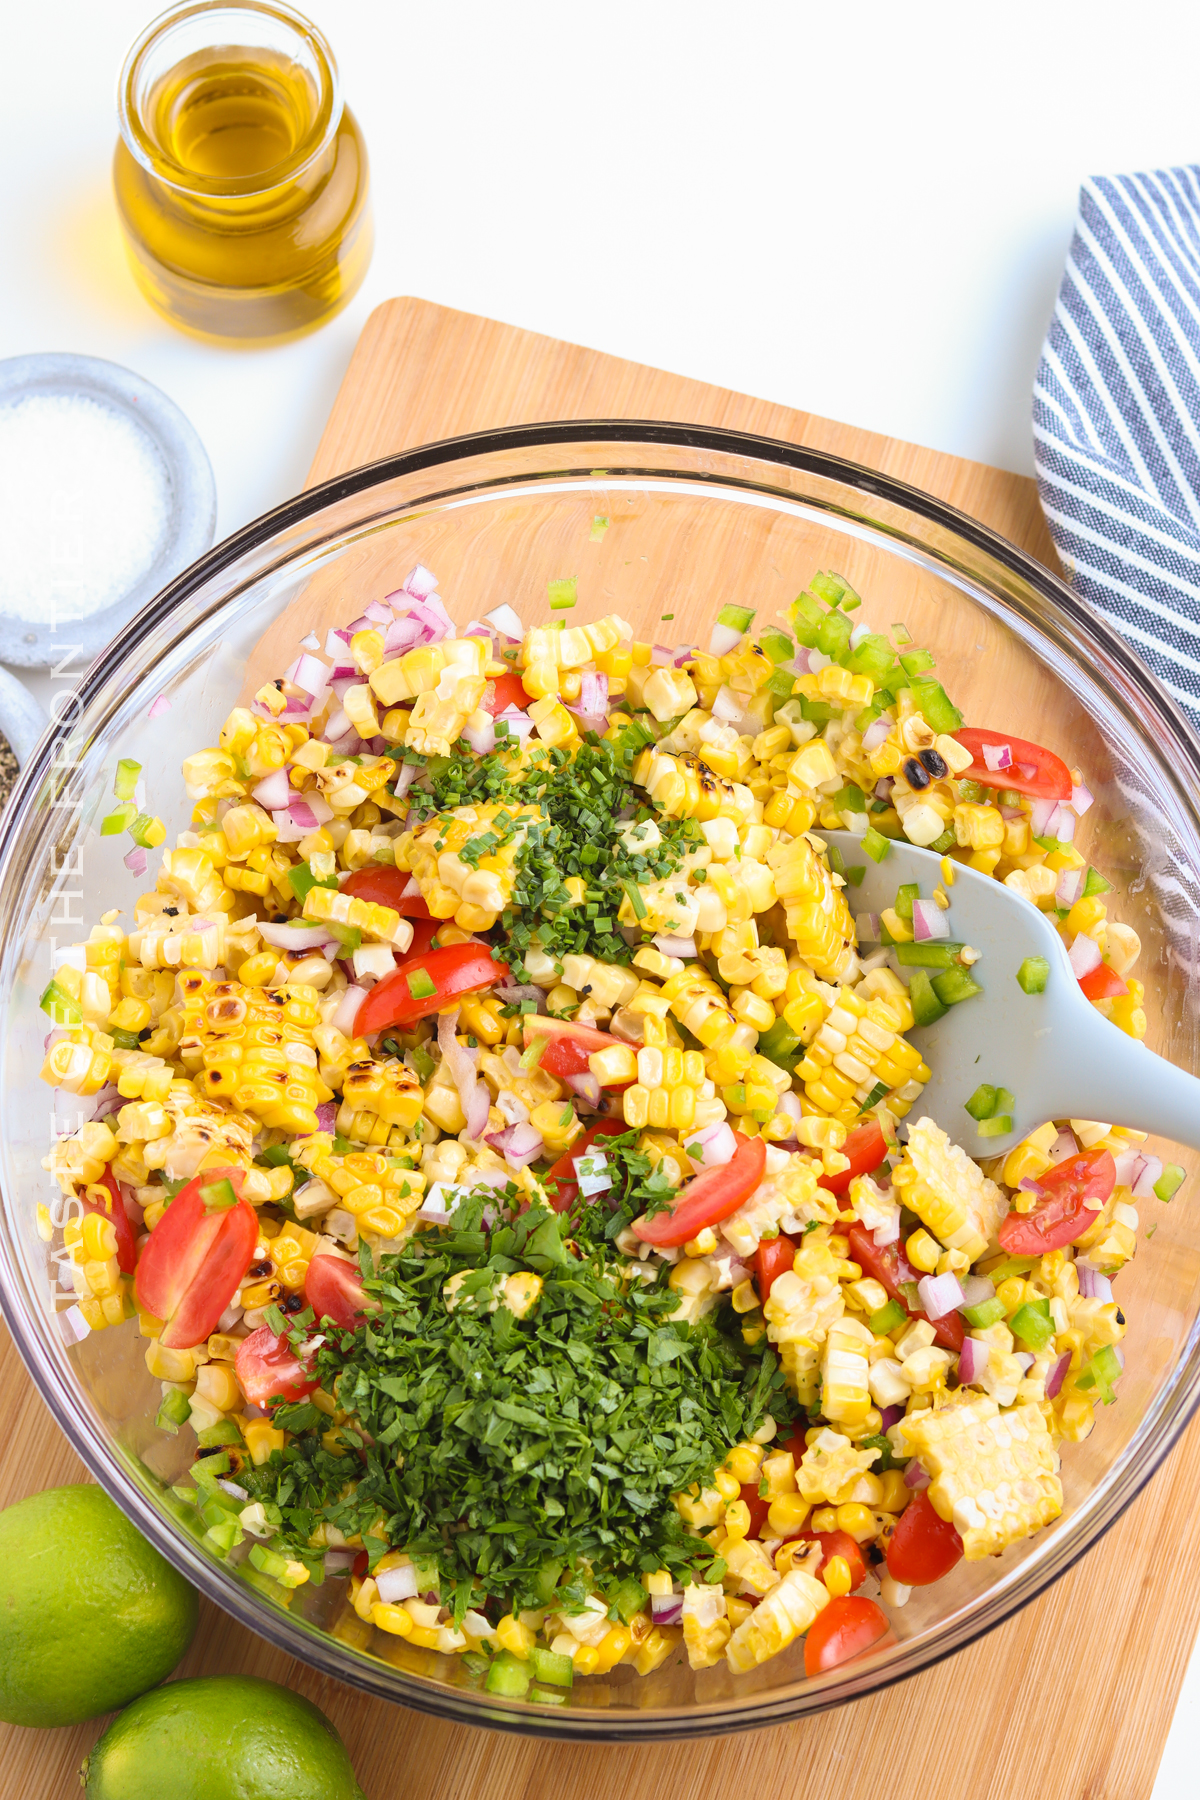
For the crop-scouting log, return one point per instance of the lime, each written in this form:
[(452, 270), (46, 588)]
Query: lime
[(90, 1614), (220, 1737)]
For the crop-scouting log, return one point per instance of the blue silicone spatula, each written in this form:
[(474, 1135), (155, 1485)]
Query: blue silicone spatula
[(1057, 1056)]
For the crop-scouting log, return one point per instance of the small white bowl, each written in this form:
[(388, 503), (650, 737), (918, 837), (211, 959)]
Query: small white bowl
[(30, 643)]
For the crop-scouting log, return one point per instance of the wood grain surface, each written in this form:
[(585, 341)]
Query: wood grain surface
[(1072, 1699)]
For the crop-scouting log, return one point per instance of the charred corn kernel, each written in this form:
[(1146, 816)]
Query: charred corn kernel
[(818, 919), (894, 1496), (947, 1191), (1127, 1011), (80, 1062), (1028, 1159), (1011, 1295), (994, 1474), (751, 1009), (837, 1577), (612, 1647), (252, 1048), (668, 692), (615, 1066), (389, 1090), (555, 726)]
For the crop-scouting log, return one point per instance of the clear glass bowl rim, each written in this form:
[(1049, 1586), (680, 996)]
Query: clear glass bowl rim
[(1173, 1406)]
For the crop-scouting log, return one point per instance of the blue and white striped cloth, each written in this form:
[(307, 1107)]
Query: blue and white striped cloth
[(1116, 419)]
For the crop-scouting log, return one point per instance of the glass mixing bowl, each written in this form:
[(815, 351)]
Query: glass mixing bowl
[(695, 518)]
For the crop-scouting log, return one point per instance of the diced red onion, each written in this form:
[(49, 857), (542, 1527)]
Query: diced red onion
[(587, 1086), (716, 1143), (1081, 799), (883, 1235), (327, 1114), (1084, 955), (593, 693), (1119, 1354), (1092, 1284), (723, 639), (337, 726), (420, 582), (997, 756), (684, 654), (1068, 887), (336, 640), (1027, 771), (514, 994), (1150, 1172), (1012, 812), (343, 1019), (362, 623), (294, 937), (286, 829), (867, 927), (597, 1177), (915, 1476), (861, 631), (1026, 1360), (396, 1585), (675, 946), (1040, 815), (301, 813), (432, 605), (1063, 1146), (1061, 825), (727, 707), (1057, 1374), (1030, 1186), (378, 613), (1128, 1166), (482, 738), (972, 1360), (940, 1294), (506, 621), (512, 1107), (135, 862), (518, 1144), (309, 674), (788, 1104), (877, 732), (161, 705), (891, 1415), (406, 774), (660, 656), (472, 1093), (976, 1289), (272, 791), (310, 641), (519, 723), (666, 1609), (929, 921)]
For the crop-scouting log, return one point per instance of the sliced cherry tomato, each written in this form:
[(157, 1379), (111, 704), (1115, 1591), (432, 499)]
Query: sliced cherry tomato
[(569, 1044), (885, 1265), (866, 1147), (836, 1543), (424, 932), (269, 1369), (924, 1546), (848, 1627), (126, 1241), (710, 1197), (384, 885), (334, 1290), (1059, 1216), (1103, 983), (565, 1189), (1051, 779), (759, 1508), (509, 691), (453, 970), (773, 1258), (195, 1260)]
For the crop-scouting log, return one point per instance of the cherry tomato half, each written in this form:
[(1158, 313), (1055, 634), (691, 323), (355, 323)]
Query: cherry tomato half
[(509, 691), (334, 1290), (195, 1260), (452, 971), (848, 1627), (709, 1198), (773, 1258), (884, 1264), (384, 885), (924, 1546), (569, 1044), (866, 1147), (269, 1369), (1059, 1216), (758, 1508), (1051, 779), (1103, 983), (115, 1211), (836, 1543), (562, 1183)]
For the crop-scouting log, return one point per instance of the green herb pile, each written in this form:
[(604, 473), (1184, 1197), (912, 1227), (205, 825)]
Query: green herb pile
[(581, 797), (517, 1455)]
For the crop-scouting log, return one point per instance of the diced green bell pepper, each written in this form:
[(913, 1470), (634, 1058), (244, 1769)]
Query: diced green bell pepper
[(927, 1008)]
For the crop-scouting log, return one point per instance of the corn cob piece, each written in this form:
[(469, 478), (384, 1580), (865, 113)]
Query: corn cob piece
[(777, 1621), (683, 787), (994, 1473), (845, 1396), (857, 1047), (80, 1062), (383, 923), (818, 919), (389, 1090), (938, 1181), (193, 942), (800, 1311), (706, 1628), (253, 1048), (830, 1469), (81, 1158), (472, 893), (668, 1086)]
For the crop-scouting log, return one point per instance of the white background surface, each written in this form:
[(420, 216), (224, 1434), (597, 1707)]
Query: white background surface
[(859, 210)]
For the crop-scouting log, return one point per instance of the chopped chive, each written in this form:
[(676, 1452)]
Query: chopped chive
[(874, 1097), (635, 899)]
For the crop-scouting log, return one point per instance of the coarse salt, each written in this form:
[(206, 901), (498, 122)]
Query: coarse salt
[(84, 506)]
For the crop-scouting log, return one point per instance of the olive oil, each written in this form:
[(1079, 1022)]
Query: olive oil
[(241, 178)]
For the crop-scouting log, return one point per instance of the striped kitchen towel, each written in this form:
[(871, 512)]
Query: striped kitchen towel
[(1116, 417)]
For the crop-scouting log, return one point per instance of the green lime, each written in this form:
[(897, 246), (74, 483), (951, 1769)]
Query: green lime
[(90, 1614), (220, 1737)]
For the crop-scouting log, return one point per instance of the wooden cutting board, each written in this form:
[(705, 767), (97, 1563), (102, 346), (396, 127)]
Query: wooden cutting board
[(1073, 1698)]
